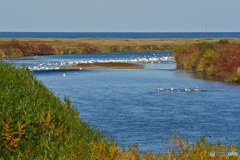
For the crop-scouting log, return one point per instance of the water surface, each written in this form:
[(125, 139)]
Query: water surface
[(132, 35)]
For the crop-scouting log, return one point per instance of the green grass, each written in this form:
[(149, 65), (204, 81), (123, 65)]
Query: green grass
[(34, 123)]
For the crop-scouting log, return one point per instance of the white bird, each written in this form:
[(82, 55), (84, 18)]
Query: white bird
[(187, 89), (196, 89), (160, 89), (172, 89), (64, 75)]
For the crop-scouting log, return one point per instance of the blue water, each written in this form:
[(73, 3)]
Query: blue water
[(130, 35), (126, 103)]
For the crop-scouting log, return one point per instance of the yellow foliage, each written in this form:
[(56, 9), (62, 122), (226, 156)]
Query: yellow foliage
[(11, 135), (45, 120), (207, 59)]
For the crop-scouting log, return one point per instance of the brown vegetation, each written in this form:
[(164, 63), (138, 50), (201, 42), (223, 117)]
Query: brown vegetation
[(16, 49), (106, 66)]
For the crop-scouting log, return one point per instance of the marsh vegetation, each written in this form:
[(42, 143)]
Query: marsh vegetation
[(221, 59), (45, 46)]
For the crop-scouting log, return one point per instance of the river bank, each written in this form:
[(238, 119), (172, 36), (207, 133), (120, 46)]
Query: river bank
[(47, 46), (220, 59)]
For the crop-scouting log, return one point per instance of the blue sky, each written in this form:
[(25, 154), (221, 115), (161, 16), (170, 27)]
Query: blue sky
[(120, 16)]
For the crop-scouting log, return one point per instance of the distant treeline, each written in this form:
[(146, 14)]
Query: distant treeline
[(220, 59)]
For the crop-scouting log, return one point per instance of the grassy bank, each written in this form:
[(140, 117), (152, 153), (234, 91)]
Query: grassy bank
[(35, 124), (106, 66), (220, 59), (36, 46)]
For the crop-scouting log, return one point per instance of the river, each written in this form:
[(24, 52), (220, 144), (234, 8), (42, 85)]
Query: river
[(126, 103)]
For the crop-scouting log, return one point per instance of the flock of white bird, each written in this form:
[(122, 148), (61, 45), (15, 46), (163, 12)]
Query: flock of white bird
[(177, 90), (57, 65)]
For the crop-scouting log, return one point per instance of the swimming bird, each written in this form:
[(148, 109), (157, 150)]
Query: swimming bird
[(172, 89), (64, 75), (160, 89), (196, 89), (187, 90), (178, 90)]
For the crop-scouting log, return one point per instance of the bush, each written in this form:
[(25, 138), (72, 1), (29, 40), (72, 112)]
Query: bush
[(207, 60), (13, 52), (183, 56), (223, 41), (26, 48), (228, 61), (204, 46)]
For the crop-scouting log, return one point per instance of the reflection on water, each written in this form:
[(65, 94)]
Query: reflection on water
[(126, 103)]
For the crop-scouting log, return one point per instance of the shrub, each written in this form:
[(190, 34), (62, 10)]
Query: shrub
[(207, 60), (228, 61), (204, 46), (183, 56), (27, 48), (223, 41), (194, 60), (13, 52)]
